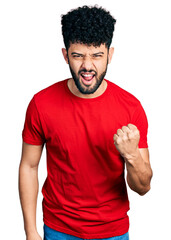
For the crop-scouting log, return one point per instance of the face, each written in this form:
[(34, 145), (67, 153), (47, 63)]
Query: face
[(88, 65)]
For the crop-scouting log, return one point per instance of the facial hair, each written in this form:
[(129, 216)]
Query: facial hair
[(88, 90)]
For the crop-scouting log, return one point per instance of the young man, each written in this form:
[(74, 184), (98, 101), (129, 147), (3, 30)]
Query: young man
[(91, 128)]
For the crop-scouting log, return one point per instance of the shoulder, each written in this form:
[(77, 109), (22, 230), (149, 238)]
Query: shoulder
[(50, 93), (52, 89), (122, 95), (49, 97)]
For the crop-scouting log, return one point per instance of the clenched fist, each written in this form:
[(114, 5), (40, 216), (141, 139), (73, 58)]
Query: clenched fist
[(126, 140)]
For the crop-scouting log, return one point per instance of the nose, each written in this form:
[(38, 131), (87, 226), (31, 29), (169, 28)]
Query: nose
[(87, 63)]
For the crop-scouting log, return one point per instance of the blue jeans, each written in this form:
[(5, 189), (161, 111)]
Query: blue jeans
[(50, 234)]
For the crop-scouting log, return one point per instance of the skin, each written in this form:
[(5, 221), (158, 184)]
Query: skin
[(139, 172), (28, 188), (79, 57), (126, 139)]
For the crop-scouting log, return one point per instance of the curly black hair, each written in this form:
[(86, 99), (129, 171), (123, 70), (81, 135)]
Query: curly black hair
[(88, 25)]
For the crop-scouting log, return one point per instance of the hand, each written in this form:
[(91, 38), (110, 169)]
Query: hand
[(126, 140), (33, 236)]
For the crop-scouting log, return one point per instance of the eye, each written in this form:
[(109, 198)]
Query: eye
[(77, 56), (97, 55)]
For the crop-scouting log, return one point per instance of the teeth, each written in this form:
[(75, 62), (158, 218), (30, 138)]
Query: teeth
[(86, 75)]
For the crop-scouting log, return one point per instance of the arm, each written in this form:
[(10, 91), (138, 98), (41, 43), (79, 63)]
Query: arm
[(139, 172), (28, 187)]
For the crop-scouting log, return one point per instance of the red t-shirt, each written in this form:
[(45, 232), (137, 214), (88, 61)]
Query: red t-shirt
[(85, 192)]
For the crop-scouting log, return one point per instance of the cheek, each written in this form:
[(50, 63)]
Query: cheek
[(101, 67), (75, 67)]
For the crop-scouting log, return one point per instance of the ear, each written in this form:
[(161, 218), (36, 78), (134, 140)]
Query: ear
[(110, 54), (65, 54)]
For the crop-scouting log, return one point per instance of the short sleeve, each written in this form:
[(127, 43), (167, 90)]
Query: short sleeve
[(33, 132), (141, 122)]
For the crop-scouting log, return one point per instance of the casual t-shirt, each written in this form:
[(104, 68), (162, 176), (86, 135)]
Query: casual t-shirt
[(85, 191)]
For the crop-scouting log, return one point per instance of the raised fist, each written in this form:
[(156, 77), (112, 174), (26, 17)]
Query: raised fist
[(126, 140)]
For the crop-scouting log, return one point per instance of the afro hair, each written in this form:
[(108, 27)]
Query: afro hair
[(88, 25)]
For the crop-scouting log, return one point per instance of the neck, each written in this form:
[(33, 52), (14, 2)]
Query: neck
[(73, 88)]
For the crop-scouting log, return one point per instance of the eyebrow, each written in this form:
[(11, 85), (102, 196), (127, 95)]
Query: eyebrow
[(98, 53), (76, 53), (91, 54)]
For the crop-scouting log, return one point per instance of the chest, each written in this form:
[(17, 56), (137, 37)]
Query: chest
[(77, 126)]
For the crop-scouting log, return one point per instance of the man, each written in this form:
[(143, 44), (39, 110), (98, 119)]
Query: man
[(91, 128)]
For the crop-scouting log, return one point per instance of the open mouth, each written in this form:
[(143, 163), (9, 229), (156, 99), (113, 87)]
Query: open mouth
[(87, 78)]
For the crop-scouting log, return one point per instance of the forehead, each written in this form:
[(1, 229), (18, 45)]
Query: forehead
[(85, 49)]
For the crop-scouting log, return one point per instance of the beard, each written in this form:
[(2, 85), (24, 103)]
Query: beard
[(88, 89)]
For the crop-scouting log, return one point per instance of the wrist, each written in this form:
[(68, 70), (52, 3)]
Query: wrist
[(31, 231), (129, 157), (33, 236)]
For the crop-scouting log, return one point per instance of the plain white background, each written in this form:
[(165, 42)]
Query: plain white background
[(31, 59)]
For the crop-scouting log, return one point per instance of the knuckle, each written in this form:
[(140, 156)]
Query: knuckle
[(125, 138), (124, 127), (118, 141), (131, 126), (133, 134), (115, 137), (137, 132), (130, 135), (118, 131)]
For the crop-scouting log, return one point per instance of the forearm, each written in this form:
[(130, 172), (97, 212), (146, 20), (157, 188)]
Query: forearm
[(28, 191), (139, 173)]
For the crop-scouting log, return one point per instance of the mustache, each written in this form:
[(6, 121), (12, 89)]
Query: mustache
[(87, 71)]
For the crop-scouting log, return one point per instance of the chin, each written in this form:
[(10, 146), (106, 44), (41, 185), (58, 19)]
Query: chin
[(90, 89)]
